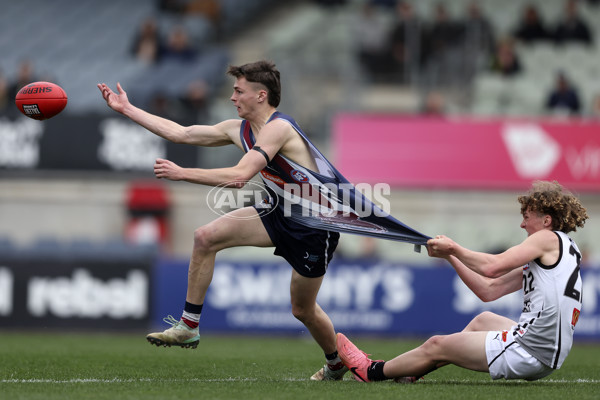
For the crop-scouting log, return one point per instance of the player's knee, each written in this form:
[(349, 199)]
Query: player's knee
[(479, 322), (301, 312), (203, 240), (432, 346)]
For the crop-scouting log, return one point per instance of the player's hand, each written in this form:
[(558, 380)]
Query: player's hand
[(116, 101), (440, 246), (168, 170)]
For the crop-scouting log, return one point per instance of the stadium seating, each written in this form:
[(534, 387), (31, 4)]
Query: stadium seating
[(89, 42)]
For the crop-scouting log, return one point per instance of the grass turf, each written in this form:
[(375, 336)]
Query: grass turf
[(85, 366)]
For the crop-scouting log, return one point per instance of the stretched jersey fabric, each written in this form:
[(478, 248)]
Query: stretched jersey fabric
[(324, 199), (551, 305)]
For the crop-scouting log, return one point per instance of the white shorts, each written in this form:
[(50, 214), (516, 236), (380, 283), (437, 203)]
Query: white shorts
[(507, 359)]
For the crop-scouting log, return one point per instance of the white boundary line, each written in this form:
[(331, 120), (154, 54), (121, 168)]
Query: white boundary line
[(198, 380)]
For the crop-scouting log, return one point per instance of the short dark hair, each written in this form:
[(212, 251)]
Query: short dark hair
[(263, 72)]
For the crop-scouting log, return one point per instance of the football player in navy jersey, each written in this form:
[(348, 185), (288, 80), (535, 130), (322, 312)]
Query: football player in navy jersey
[(268, 138)]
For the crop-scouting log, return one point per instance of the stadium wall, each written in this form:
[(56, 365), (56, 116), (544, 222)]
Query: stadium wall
[(361, 296)]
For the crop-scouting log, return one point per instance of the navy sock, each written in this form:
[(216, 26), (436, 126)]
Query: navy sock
[(375, 371), (193, 308)]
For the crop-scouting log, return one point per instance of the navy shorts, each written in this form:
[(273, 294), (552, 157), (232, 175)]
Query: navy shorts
[(308, 250)]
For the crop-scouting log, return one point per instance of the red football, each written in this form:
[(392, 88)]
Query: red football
[(41, 100)]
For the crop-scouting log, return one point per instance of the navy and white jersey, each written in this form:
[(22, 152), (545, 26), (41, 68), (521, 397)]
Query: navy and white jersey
[(324, 199), (551, 305)]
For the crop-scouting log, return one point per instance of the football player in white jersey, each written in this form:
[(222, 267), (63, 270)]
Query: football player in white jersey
[(545, 266)]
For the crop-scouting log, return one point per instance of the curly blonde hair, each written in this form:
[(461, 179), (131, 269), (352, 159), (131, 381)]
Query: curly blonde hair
[(550, 198)]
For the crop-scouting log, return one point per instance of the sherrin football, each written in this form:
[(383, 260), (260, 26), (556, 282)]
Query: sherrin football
[(41, 100)]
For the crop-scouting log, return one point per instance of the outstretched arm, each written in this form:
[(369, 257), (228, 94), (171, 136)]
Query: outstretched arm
[(201, 135), (235, 176), (540, 244), (273, 137)]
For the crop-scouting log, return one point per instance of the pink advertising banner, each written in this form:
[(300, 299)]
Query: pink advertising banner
[(466, 153)]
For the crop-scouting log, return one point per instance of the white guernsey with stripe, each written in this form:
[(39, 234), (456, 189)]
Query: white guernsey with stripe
[(551, 305)]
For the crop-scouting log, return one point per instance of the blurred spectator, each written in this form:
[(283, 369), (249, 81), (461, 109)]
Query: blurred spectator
[(370, 36), (195, 103), (564, 97), (5, 100), (478, 30), (479, 39), (147, 42), (172, 6), (405, 43), (572, 28), (531, 28), (331, 3), (391, 4), (595, 107), (506, 61), (443, 48), (442, 34), (434, 105), (210, 9), (178, 46), (25, 76)]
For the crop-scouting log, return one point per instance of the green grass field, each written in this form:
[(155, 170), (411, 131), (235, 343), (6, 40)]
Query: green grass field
[(83, 366)]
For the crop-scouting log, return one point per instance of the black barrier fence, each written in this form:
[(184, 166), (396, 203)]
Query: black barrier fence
[(85, 143), (75, 294)]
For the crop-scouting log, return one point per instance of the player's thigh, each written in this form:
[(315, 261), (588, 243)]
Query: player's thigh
[(241, 227), (488, 321), (465, 349)]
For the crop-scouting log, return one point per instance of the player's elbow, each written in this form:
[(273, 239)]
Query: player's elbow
[(488, 290), (493, 269), (488, 295), (238, 179), (181, 136)]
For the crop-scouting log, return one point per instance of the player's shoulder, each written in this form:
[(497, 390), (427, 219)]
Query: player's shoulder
[(280, 122), (278, 127), (229, 124), (545, 239)]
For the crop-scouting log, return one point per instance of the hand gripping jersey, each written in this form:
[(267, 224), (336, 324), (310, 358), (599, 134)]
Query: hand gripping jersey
[(551, 305), (324, 199)]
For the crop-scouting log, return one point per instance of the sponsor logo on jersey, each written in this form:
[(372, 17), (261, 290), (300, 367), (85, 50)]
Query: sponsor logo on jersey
[(272, 178), (575, 318), (299, 175), (504, 335)]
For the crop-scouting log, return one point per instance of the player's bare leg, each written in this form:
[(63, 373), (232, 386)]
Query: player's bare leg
[(304, 292), (488, 321), (241, 227), (465, 349), (484, 322)]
